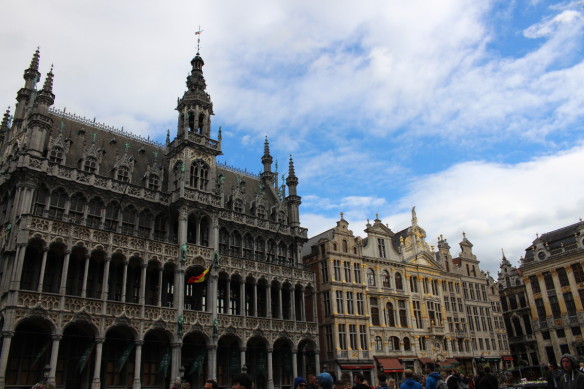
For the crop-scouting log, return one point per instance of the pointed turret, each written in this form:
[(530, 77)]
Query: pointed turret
[(5, 126), (267, 158), (25, 96), (46, 98), (293, 199)]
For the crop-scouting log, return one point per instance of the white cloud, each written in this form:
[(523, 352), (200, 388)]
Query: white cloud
[(498, 206)]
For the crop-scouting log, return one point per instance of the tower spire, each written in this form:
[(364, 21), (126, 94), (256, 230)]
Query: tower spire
[(46, 97), (32, 74), (267, 158)]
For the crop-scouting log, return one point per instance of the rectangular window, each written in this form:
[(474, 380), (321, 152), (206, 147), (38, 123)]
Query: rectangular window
[(570, 305), (563, 276), (328, 330), (350, 309), (560, 333), (363, 336), (576, 331), (340, 309), (360, 310), (555, 306), (447, 303), (545, 335), (548, 281), (357, 269), (381, 247), (465, 290), (324, 269), (453, 302), (540, 307), (403, 317), (534, 284), (418, 314), (459, 305), (578, 273), (353, 336), (337, 269), (342, 337), (348, 271), (326, 303)]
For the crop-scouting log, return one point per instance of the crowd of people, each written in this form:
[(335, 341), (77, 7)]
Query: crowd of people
[(566, 376)]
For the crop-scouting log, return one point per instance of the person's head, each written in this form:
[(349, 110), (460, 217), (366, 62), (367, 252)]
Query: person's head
[(339, 384), (210, 384), (325, 380), (408, 373), (568, 362), (430, 367), (391, 383), (299, 383), (312, 379), (242, 381), (382, 378), (358, 378)]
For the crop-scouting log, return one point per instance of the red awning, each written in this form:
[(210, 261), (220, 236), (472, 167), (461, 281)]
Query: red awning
[(507, 357), (390, 365), (425, 360)]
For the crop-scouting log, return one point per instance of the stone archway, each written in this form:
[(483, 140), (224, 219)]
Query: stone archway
[(76, 360), (256, 360), (195, 359), (228, 359)]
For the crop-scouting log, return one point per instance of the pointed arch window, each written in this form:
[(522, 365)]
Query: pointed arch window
[(90, 165), (144, 223), (199, 175), (56, 154), (260, 249), (77, 207), (57, 204), (111, 216), (128, 220), (191, 117), (123, 173), (201, 123), (41, 201), (160, 227), (94, 208)]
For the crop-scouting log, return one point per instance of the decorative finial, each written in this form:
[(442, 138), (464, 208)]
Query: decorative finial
[(342, 215), (198, 34)]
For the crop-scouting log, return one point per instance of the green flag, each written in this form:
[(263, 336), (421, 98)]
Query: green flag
[(85, 357), (41, 353), (125, 355), (165, 362), (198, 363)]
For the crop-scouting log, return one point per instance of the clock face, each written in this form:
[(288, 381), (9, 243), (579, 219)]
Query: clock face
[(541, 255)]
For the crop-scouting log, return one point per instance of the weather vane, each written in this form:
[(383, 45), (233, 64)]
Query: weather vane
[(198, 32)]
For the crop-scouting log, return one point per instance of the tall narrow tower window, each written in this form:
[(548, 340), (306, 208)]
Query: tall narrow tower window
[(199, 175), (201, 123), (191, 121)]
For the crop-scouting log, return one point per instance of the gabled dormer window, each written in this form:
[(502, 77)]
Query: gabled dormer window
[(123, 174), (56, 155), (238, 205), (153, 182), (261, 212), (90, 165)]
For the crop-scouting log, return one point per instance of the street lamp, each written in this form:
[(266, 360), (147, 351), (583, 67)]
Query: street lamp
[(244, 369)]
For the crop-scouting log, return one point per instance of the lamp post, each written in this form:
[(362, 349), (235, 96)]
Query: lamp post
[(244, 369)]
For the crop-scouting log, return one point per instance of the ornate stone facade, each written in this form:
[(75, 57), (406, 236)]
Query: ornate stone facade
[(390, 301), (543, 299), (127, 263)]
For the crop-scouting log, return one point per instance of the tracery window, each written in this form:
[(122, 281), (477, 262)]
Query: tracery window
[(76, 207), (90, 165), (94, 213), (238, 206), (123, 173), (56, 154), (57, 204), (153, 181), (199, 175), (261, 212)]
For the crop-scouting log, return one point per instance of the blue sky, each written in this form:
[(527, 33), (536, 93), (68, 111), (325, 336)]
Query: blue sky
[(469, 110)]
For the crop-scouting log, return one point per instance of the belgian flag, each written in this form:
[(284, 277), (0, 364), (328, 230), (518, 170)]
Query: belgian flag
[(200, 278)]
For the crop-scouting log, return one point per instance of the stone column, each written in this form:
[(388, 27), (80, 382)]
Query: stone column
[(242, 297), (124, 280), (270, 370), (63, 286), (254, 299), (6, 341), (160, 273), (54, 356), (85, 272), (228, 296), (293, 305), (314, 302), (269, 300), (317, 360), (137, 384), (143, 267), (17, 268), (294, 363), (212, 362), (242, 357), (97, 367), (105, 287), (280, 307), (43, 267), (176, 361)]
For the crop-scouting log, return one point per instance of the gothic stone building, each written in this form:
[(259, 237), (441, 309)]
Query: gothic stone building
[(101, 232), (391, 301), (543, 299)]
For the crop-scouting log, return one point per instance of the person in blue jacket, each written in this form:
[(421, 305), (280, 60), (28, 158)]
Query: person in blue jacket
[(410, 382), (432, 377)]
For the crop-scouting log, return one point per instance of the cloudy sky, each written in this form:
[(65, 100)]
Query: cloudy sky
[(472, 111)]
